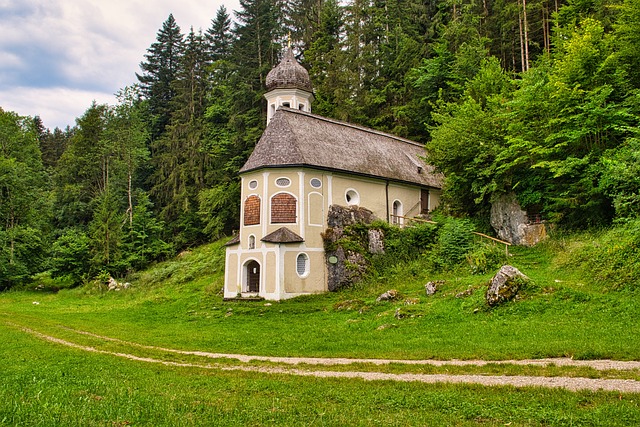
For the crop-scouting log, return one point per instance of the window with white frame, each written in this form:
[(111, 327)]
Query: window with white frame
[(352, 197), (302, 265)]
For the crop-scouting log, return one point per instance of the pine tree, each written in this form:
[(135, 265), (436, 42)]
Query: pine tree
[(83, 171), (179, 157), (219, 35), (256, 50), (159, 72)]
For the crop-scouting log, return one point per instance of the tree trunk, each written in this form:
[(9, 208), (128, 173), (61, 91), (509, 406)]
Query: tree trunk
[(521, 37), (526, 34)]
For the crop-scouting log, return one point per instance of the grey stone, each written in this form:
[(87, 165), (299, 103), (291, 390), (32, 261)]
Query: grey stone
[(348, 266), (342, 216), (466, 293), (504, 286), (376, 241), (391, 294), (512, 223), (432, 287)]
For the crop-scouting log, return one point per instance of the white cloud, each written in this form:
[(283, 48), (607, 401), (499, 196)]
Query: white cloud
[(58, 107), (82, 48)]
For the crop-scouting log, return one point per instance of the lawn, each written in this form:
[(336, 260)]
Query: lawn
[(178, 305)]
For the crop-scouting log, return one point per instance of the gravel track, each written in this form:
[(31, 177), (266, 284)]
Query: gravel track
[(569, 383)]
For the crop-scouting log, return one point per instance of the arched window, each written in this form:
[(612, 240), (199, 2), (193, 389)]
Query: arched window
[(283, 209), (252, 210), (252, 242), (302, 265)]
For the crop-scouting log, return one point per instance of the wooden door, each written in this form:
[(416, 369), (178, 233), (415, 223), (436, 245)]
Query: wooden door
[(253, 277), (424, 201)]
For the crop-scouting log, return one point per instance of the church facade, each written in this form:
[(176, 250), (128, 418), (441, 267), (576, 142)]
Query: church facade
[(301, 166)]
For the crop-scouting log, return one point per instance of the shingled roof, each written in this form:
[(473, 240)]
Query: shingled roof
[(297, 138), (288, 74), (282, 235)]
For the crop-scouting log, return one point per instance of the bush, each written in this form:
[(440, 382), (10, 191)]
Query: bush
[(71, 257), (485, 257), (454, 241)]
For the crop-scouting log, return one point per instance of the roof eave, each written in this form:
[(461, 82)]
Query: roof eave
[(348, 172)]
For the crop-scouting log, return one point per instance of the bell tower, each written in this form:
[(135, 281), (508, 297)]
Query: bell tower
[(288, 85)]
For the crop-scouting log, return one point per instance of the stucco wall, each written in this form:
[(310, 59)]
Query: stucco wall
[(279, 278)]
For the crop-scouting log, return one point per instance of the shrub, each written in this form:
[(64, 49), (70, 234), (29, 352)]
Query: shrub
[(454, 241), (71, 256), (485, 257)]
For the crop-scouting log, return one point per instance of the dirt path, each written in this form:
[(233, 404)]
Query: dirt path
[(569, 383)]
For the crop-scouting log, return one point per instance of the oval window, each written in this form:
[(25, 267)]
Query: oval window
[(352, 197), (316, 183), (253, 184), (302, 265), (283, 182)]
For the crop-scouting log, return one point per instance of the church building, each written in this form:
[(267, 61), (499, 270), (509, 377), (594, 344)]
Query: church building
[(301, 166)]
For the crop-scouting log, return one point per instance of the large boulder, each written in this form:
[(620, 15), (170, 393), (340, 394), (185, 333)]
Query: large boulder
[(342, 216), (344, 266), (512, 223), (504, 286)]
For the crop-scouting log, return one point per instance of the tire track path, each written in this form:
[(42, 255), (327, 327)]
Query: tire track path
[(569, 383)]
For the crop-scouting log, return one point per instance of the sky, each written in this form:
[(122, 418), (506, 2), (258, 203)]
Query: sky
[(57, 56)]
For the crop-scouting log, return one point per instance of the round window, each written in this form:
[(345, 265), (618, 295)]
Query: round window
[(316, 183), (283, 182), (253, 184), (352, 197)]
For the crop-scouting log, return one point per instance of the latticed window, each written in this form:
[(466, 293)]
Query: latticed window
[(252, 210), (283, 208), (283, 182), (302, 264)]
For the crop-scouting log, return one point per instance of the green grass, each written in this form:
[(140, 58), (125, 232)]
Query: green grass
[(178, 305), (50, 385)]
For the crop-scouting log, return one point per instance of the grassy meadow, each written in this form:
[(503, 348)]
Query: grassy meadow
[(178, 305)]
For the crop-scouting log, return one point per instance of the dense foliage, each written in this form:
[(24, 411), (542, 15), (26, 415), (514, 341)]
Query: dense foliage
[(536, 98)]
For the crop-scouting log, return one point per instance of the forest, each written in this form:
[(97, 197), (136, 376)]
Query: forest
[(538, 98)]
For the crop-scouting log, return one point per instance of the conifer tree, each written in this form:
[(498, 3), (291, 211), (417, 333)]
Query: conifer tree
[(219, 35), (159, 70), (179, 157)]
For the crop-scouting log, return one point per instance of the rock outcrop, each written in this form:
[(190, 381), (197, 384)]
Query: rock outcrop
[(504, 286), (512, 223), (345, 266)]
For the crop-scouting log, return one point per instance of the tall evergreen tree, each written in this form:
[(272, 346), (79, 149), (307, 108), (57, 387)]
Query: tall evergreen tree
[(83, 171), (179, 157), (159, 71), (256, 49), (219, 36)]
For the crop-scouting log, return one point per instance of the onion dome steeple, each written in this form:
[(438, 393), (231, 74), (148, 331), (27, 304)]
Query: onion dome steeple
[(288, 85), (289, 74)]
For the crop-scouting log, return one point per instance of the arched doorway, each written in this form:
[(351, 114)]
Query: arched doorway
[(253, 276), (397, 213)]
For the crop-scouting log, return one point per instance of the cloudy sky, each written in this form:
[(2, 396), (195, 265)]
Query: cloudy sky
[(57, 56)]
